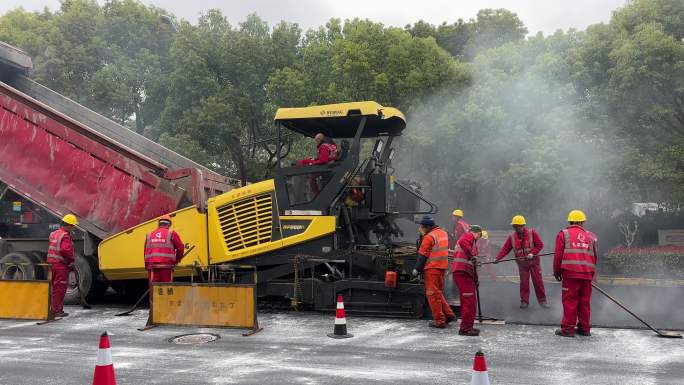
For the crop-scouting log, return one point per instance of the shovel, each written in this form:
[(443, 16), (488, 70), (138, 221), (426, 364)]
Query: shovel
[(661, 333)]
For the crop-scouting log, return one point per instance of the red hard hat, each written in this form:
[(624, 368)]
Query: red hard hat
[(165, 217)]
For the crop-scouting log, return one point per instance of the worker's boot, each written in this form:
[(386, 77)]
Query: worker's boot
[(524, 305), (583, 333), (61, 314), (471, 333), (545, 305), (432, 324), (560, 332), (450, 320)]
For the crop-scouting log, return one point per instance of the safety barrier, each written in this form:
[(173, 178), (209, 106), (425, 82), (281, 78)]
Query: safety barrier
[(25, 299), (225, 305)]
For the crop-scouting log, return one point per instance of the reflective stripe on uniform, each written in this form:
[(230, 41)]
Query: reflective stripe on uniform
[(575, 262), (468, 294), (566, 236), (168, 255), (578, 251)]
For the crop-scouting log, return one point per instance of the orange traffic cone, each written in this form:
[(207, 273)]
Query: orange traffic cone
[(104, 369), (480, 376), (340, 330)]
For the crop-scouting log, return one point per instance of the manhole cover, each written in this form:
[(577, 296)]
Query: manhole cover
[(194, 339)]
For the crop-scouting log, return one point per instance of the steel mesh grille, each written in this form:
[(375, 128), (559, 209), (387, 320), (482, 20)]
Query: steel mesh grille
[(246, 223)]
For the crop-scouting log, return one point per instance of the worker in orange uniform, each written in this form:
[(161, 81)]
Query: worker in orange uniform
[(61, 258), (465, 278), (460, 227), (574, 264), (433, 261), (163, 251), (526, 245)]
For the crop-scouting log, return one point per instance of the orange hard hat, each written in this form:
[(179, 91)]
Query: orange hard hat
[(165, 217)]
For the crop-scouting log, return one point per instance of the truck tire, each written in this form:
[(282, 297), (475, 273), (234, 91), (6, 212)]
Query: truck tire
[(17, 265), (40, 259), (86, 276)]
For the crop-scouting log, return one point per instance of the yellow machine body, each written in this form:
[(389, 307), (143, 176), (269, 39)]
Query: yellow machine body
[(241, 223), (121, 256)]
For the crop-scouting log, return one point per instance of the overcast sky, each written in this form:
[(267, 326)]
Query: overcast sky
[(538, 15)]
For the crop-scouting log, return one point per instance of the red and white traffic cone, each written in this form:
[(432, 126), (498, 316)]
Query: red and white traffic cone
[(104, 369), (480, 376), (340, 330)]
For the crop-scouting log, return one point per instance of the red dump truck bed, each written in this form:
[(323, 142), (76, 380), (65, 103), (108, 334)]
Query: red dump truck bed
[(65, 166), (66, 158)]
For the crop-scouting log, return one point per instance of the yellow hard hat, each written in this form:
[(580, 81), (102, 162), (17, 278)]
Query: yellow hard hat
[(485, 234), (458, 213), (70, 219), (576, 216), (518, 220)]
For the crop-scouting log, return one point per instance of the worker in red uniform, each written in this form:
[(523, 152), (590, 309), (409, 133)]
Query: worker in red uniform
[(465, 278), (327, 151), (460, 227), (574, 264), (163, 251), (61, 258), (433, 261), (526, 245)]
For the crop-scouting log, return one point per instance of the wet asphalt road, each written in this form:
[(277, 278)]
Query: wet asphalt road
[(293, 349), (662, 307)]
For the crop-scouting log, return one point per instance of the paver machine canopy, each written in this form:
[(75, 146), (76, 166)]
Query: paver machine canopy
[(358, 186)]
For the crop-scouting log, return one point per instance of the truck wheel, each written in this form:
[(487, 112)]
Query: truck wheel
[(85, 275), (18, 266), (39, 258)]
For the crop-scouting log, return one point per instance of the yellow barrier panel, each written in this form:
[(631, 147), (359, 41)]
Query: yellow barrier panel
[(204, 305), (25, 299)]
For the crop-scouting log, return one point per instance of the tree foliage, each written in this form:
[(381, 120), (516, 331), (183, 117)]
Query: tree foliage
[(499, 122)]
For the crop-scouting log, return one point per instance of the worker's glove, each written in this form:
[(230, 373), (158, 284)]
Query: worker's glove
[(414, 273), (71, 266), (558, 276), (496, 262), (530, 256)]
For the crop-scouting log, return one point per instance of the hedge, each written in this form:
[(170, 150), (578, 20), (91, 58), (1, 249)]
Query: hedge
[(646, 262)]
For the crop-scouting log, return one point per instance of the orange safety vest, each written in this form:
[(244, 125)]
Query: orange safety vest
[(578, 255), (159, 248), (525, 246), (54, 254), (439, 254)]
